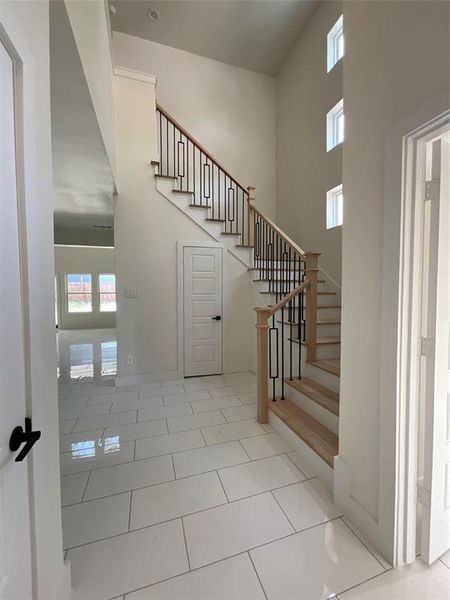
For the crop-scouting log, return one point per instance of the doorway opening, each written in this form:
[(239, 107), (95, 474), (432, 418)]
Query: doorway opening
[(423, 515)]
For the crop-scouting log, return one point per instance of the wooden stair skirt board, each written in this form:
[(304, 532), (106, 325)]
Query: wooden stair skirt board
[(331, 365), (318, 437), (316, 392)]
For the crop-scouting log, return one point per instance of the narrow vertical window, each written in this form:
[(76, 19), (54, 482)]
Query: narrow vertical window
[(335, 125), (335, 207), (335, 43)]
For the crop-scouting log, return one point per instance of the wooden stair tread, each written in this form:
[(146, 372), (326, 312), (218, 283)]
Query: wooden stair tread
[(230, 233), (245, 246), (200, 206), (317, 392), (287, 280), (154, 163), (318, 437), (215, 220), (331, 365)]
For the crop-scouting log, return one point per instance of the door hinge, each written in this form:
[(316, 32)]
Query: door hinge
[(431, 189), (427, 347), (423, 496)]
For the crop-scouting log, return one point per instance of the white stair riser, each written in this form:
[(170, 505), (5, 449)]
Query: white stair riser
[(321, 414), (314, 465), (325, 378)]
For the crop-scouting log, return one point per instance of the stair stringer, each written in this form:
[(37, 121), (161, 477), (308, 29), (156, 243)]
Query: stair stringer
[(198, 215)]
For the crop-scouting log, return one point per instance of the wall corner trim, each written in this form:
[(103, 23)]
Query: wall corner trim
[(136, 75)]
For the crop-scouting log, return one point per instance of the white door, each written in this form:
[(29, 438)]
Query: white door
[(15, 543), (202, 311), (435, 538)]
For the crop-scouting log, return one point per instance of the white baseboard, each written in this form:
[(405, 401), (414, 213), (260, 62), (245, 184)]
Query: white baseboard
[(379, 534), (63, 589), (127, 380)]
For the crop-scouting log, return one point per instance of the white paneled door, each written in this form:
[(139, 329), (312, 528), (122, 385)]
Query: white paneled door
[(15, 544), (436, 482), (203, 304)]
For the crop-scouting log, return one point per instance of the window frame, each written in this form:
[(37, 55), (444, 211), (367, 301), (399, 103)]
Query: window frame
[(334, 36), (100, 294), (68, 293), (333, 117), (334, 212)]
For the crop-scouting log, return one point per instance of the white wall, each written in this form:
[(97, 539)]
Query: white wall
[(230, 111), (396, 77), (27, 25), (147, 227), (90, 25), (78, 236), (305, 170), (83, 259)]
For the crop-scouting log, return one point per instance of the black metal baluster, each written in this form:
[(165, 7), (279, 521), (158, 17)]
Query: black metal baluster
[(282, 352)]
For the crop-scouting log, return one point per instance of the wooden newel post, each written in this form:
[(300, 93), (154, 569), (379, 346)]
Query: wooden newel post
[(262, 361), (250, 229), (312, 269)]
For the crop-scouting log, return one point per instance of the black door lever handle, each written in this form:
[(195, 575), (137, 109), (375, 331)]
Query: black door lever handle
[(218, 318), (20, 436)]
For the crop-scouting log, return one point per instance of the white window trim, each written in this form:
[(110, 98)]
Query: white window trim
[(334, 213), (335, 32), (332, 125)]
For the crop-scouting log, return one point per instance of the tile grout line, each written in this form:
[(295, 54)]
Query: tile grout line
[(185, 544), (85, 489), (257, 575), (191, 474), (363, 543), (220, 559), (282, 509), (223, 487), (175, 518), (363, 582), (129, 514), (173, 432)]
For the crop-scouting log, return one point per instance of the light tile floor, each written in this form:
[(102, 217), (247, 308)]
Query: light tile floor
[(173, 491)]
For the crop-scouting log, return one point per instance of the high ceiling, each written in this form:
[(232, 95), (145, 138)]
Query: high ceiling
[(83, 185), (252, 34)]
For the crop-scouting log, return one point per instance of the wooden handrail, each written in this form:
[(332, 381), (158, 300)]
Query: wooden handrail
[(280, 232), (271, 310), (180, 127)]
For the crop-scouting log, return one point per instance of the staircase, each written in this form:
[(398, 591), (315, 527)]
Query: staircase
[(298, 317)]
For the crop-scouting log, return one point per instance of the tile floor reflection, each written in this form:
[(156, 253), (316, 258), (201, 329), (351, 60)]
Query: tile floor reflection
[(172, 490)]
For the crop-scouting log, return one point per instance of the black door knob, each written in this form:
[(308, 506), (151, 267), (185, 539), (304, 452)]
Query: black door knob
[(218, 318), (20, 436)]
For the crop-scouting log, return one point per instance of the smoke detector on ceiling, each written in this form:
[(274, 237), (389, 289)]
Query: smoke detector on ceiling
[(153, 14)]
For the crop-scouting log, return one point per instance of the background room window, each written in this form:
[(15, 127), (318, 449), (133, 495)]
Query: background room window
[(335, 125), (79, 292), (335, 207), (107, 287), (335, 44)]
